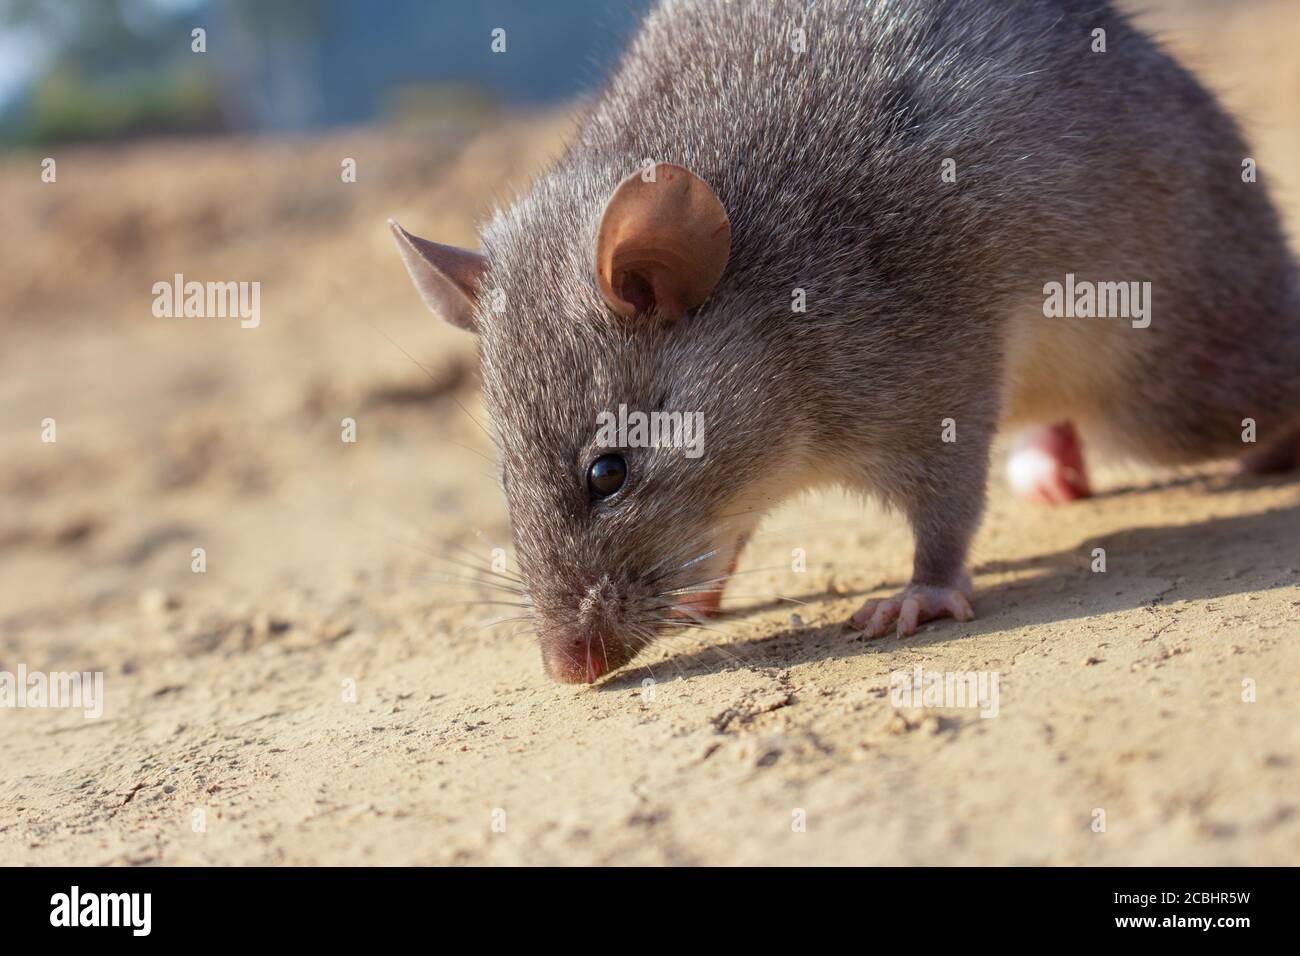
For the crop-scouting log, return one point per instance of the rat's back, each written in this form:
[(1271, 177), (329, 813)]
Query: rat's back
[(939, 163)]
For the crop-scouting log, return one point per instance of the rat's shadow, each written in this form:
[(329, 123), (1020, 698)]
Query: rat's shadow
[(1204, 560)]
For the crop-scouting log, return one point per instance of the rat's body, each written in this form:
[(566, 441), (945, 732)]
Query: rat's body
[(924, 297)]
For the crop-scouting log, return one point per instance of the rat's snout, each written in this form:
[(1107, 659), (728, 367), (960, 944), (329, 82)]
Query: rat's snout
[(582, 649), (575, 661)]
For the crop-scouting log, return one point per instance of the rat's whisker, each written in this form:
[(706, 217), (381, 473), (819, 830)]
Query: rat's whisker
[(484, 604), (487, 572), (475, 451), (664, 567), (433, 378), (478, 569), (703, 557), (460, 562), (725, 577), (765, 597), (604, 652), (679, 623), (477, 557), (497, 621), (491, 437), (692, 624), (441, 577), (668, 639)]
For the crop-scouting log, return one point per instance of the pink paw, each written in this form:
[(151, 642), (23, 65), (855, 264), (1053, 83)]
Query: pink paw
[(1046, 465), (915, 604)]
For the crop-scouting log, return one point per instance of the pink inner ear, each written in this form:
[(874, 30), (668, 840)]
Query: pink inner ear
[(635, 289), (662, 244), (652, 281)]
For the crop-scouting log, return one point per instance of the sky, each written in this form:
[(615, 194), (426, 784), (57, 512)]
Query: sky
[(21, 56)]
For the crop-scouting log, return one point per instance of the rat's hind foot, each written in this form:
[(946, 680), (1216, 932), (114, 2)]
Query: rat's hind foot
[(915, 604), (1046, 465)]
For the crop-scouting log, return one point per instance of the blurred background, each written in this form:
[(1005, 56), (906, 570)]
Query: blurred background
[(81, 70)]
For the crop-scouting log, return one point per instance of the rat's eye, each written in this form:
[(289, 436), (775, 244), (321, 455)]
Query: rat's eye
[(606, 475)]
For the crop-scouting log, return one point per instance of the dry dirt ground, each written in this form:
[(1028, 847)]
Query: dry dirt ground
[(230, 733)]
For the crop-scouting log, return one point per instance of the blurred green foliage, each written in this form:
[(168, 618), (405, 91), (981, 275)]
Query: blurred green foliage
[(66, 106), (115, 68), (77, 70)]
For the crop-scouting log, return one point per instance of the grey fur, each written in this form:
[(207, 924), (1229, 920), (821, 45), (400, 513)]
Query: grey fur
[(924, 298)]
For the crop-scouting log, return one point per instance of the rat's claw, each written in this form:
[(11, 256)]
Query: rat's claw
[(909, 615), (914, 605)]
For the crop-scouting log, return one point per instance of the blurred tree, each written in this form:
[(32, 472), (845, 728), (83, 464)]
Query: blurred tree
[(118, 68), (113, 68)]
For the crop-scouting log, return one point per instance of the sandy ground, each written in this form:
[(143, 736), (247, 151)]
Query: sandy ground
[(323, 693)]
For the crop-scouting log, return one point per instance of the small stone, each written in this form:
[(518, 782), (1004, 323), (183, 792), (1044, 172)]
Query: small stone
[(896, 723), (155, 602), (264, 625)]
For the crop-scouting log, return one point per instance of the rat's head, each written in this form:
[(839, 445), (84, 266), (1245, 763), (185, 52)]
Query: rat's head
[(618, 403)]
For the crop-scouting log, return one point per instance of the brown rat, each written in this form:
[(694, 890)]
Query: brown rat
[(917, 172)]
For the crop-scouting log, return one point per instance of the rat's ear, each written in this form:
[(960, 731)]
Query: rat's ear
[(447, 278), (663, 242)]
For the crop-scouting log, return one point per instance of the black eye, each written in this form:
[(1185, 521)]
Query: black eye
[(606, 475)]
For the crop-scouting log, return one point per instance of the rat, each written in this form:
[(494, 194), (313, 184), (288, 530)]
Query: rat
[(835, 232)]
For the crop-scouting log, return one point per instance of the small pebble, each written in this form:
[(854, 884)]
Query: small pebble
[(156, 602)]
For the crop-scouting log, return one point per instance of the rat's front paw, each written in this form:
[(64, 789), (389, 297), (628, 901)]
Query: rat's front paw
[(915, 604)]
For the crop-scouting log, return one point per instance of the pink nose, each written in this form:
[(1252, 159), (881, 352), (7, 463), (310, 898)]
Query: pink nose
[(574, 663)]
